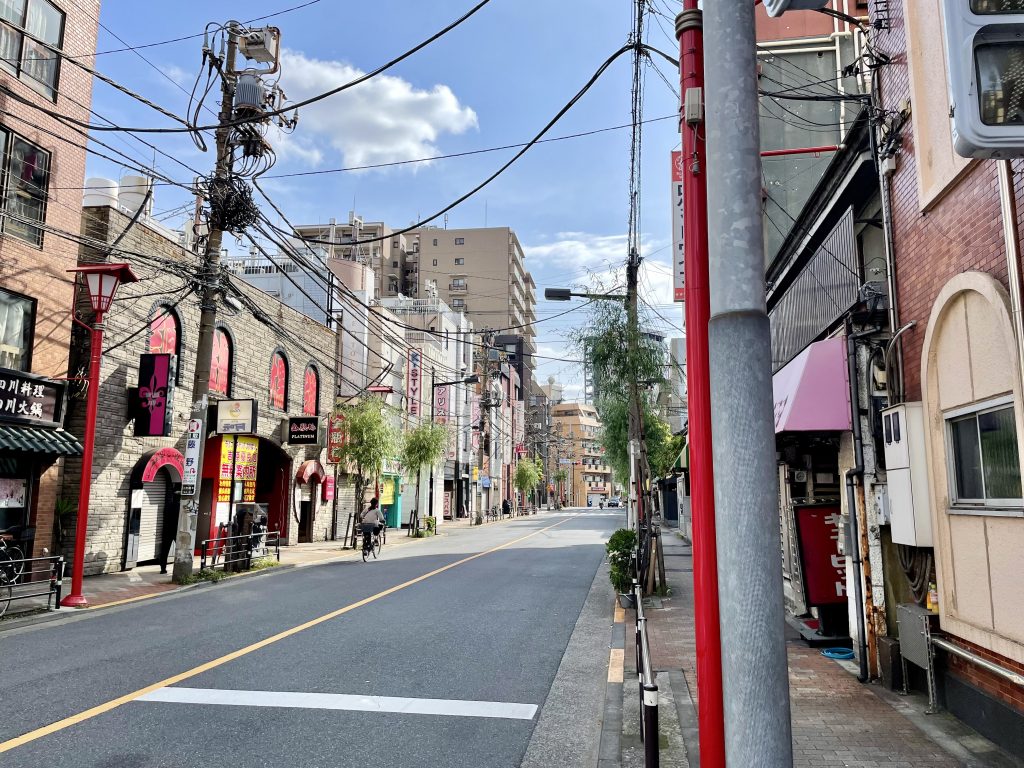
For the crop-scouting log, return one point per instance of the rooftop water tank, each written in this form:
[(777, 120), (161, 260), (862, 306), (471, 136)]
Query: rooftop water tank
[(132, 193), (99, 191)]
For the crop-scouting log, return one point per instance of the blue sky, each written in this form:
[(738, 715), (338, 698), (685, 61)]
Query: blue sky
[(496, 80)]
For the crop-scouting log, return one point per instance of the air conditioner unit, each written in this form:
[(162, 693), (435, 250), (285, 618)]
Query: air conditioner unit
[(907, 470)]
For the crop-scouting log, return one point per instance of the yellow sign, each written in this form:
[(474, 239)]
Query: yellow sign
[(387, 492), (476, 474), (246, 455)]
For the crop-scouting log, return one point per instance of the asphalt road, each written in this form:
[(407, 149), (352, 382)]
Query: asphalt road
[(481, 615)]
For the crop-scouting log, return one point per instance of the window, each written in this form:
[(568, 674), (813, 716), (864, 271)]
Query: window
[(435, 260), (459, 262), (311, 392), (25, 25), (26, 179), (221, 362), (165, 334), (458, 282), (435, 241), (394, 265), (17, 318), (278, 381), (460, 241), (458, 303), (984, 463)]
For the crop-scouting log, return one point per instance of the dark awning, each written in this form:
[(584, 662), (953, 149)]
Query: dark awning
[(55, 442)]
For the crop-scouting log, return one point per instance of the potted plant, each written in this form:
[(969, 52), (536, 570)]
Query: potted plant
[(620, 548)]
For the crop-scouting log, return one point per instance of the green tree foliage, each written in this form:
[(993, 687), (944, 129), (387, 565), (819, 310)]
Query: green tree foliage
[(528, 474), (370, 439), (423, 447)]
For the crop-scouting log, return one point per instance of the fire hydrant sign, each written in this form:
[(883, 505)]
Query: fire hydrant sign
[(190, 473)]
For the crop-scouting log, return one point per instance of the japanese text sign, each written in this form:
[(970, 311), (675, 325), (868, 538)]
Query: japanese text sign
[(28, 398)]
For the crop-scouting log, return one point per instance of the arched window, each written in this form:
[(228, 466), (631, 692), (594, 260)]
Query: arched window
[(311, 392), (164, 332), (279, 381), (221, 362)]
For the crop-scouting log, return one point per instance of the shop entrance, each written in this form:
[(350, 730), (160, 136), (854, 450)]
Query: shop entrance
[(155, 501), (307, 484)]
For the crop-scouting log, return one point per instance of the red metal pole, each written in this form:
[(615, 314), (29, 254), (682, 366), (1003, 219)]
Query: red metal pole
[(75, 599), (710, 715)]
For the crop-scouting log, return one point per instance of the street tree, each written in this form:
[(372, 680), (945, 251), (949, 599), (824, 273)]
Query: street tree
[(370, 439), (423, 447), (528, 474), (560, 477)]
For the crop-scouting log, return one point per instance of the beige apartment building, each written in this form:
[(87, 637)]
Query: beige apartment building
[(479, 272), (576, 449)]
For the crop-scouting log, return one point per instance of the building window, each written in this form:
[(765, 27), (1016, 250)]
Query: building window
[(221, 363), (24, 26), (435, 241), (435, 260), (163, 332), (279, 381), (311, 392), (460, 241), (983, 456), (458, 282), (17, 318), (459, 262), (26, 180), (394, 265), (458, 303)]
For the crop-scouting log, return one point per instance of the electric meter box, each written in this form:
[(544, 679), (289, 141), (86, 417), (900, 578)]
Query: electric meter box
[(906, 467)]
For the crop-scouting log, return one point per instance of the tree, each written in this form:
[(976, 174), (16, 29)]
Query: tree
[(528, 474), (560, 477), (423, 447), (370, 439)]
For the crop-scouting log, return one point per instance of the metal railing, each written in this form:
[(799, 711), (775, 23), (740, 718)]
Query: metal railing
[(648, 688), (31, 577), (236, 553)]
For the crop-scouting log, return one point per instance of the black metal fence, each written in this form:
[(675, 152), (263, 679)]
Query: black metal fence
[(648, 688), (31, 578), (237, 553)]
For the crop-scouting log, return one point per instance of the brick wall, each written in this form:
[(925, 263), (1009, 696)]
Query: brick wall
[(960, 232), (117, 449), (41, 272)]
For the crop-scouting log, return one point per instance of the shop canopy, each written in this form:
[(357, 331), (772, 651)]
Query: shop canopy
[(53, 442), (812, 392)]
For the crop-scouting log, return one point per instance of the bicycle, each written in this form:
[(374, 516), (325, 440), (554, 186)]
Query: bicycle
[(6, 592), (12, 561), (372, 544)]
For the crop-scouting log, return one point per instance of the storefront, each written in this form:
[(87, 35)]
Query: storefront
[(391, 493), (32, 440), (155, 493), (309, 479)]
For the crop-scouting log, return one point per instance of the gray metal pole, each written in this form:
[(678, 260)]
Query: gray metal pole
[(754, 674)]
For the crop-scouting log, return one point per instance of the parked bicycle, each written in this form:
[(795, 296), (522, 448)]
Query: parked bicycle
[(12, 559), (6, 591)]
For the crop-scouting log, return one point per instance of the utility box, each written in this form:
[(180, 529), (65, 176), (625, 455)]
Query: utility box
[(907, 470)]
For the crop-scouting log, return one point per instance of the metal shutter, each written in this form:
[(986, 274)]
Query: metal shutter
[(151, 522)]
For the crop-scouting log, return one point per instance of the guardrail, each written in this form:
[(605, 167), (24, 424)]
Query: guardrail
[(236, 553), (31, 577), (648, 688)]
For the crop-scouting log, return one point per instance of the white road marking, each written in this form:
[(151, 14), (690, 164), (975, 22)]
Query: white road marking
[(342, 701)]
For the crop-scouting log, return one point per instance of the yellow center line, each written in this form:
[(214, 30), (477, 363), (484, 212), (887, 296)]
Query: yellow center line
[(107, 706)]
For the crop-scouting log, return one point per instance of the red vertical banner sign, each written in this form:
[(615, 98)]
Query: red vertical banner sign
[(474, 411), (823, 566), (678, 227)]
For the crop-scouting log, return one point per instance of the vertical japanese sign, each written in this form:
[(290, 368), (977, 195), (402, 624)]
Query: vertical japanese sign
[(442, 404), (678, 246), (414, 382), (190, 475), (246, 459), (474, 420), (824, 568), (335, 437)]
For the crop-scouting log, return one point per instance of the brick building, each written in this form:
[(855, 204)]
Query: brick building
[(263, 351), (43, 168), (955, 227)]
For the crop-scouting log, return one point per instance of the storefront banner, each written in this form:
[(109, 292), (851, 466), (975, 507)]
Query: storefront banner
[(236, 417), (824, 568), (414, 382), (30, 399), (327, 489), (447, 504), (474, 420), (190, 475), (442, 402), (392, 467), (303, 430), (152, 402), (246, 458), (387, 492), (335, 438), (678, 220)]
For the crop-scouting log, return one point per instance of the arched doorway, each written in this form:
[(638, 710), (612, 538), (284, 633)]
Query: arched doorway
[(155, 486), (307, 484)]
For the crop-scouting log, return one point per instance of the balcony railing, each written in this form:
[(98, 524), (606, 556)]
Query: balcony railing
[(458, 287)]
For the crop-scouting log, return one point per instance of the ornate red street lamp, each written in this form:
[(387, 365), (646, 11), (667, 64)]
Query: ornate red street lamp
[(102, 281)]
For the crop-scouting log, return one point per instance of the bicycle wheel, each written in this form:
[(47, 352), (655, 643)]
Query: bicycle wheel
[(366, 549), (377, 545), (18, 562), (5, 593)]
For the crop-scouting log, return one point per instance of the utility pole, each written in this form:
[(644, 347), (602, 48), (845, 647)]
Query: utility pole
[(210, 278), (754, 671), (689, 31), (636, 411)]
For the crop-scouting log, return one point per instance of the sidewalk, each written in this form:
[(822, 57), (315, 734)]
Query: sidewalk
[(837, 721)]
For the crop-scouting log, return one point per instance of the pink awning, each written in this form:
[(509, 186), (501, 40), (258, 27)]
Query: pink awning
[(812, 392)]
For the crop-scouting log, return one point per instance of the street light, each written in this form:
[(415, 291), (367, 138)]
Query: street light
[(474, 379), (102, 281)]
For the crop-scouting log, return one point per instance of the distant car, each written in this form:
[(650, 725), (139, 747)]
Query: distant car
[(614, 501)]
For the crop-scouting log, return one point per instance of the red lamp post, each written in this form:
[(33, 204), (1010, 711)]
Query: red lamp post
[(102, 281)]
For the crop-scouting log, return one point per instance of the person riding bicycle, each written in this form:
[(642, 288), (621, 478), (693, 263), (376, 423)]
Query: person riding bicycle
[(372, 520)]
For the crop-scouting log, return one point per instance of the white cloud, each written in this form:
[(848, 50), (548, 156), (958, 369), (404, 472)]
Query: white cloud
[(601, 257), (379, 121)]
